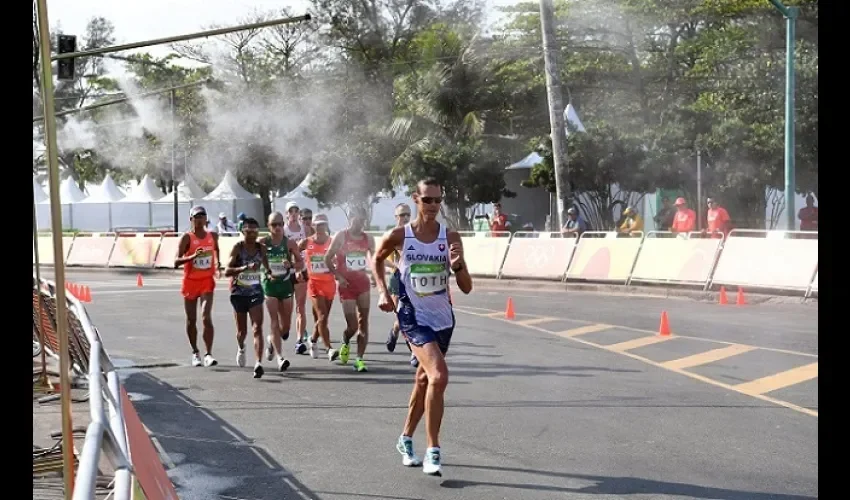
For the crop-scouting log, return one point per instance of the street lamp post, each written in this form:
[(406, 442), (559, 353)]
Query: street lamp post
[(790, 14)]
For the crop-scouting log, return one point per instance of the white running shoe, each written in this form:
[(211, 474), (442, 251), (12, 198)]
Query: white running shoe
[(282, 364), (405, 447), (333, 355), (196, 359), (432, 465), (240, 358), (209, 360), (314, 349), (269, 349)]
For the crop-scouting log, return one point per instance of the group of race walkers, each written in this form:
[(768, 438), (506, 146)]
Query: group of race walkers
[(301, 259)]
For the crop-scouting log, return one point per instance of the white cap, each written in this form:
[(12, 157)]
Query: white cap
[(222, 215), (290, 205)]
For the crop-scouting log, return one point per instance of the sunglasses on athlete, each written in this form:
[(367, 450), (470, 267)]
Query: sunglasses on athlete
[(431, 200)]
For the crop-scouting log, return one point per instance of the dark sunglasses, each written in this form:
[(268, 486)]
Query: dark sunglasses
[(199, 215), (306, 218), (431, 200)]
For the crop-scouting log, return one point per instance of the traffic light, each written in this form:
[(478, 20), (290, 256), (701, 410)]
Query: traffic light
[(65, 67)]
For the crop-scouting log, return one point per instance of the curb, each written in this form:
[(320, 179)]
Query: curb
[(486, 283)]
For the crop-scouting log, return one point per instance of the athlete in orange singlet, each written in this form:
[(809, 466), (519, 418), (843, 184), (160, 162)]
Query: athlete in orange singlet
[(198, 254), (321, 287)]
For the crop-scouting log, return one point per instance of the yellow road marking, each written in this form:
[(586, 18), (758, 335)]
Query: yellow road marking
[(582, 330), (780, 380), (536, 321), (634, 344), (706, 380), (708, 356)]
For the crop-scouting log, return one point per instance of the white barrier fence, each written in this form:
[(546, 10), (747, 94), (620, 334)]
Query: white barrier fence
[(775, 260)]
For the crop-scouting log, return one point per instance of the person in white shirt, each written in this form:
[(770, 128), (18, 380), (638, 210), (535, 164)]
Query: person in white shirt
[(224, 225)]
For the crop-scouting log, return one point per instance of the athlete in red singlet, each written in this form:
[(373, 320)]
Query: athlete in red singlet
[(198, 254), (321, 287), (348, 259)]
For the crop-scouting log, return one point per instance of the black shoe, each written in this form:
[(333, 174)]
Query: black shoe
[(258, 371), (392, 340)]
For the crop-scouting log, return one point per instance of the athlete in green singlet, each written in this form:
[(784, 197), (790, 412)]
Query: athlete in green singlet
[(285, 261)]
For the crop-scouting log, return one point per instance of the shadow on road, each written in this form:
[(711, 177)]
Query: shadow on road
[(616, 485), (208, 458)]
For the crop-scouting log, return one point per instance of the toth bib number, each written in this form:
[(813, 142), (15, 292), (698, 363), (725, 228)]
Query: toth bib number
[(248, 279), (203, 261), (355, 261), (429, 279), (317, 264)]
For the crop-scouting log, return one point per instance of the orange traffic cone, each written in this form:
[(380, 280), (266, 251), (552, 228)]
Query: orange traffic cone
[(139, 280), (75, 291), (723, 299), (741, 301), (86, 292), (509, 310), (664, 327)]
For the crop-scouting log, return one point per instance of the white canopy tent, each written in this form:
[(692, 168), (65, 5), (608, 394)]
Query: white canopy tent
[(70, 195), (95, 213), (231, 198), (188, 194), (337, 219), (42, 212), (134, 210)]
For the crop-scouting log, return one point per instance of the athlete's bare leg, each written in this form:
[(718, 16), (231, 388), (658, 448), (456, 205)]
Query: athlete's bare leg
[(349, 311), (428, 395), (362, 323), (273, 306), (191, 307), (241, 329), (206, 318), (301, 310), (256, 315), (321, 313)]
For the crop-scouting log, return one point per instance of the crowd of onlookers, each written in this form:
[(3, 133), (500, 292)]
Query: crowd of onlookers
[(677, 218)]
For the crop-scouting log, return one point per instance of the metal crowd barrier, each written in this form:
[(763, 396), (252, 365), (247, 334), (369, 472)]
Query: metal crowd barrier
[(773, 260), (106, 431)]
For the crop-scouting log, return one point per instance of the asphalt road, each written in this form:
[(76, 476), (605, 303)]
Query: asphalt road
[(577, 397)]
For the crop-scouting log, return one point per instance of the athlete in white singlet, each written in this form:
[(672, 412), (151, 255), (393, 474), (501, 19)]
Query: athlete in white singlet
[(425, 314), (296, 231)]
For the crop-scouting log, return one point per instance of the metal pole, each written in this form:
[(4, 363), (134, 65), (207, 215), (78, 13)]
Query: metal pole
[(173, 174), (59, 263), (790, 146), (42, 378), (699, 190), (556, 108), (123, 99), (183, 38)]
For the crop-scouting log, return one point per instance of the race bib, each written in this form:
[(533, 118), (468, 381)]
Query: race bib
[(279, 269), (203, 261), (317, 264), (355, 261), (248, 279), (429, 279)]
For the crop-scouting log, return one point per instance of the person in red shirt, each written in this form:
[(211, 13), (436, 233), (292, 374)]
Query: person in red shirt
[(808, 215), (499, 222), (685, 219), (348, 259), (719, 222), (198, 256)]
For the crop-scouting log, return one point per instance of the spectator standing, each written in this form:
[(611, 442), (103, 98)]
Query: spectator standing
[(224, 226), (685, 219), (632, 222), (575, 225), (664, 218), (808, 215), (499, 222), (719, 222)]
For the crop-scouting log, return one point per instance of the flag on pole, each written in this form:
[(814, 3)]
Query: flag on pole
[(572, 119)]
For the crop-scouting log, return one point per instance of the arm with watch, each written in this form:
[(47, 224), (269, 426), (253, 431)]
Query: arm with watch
[(457, 262)]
